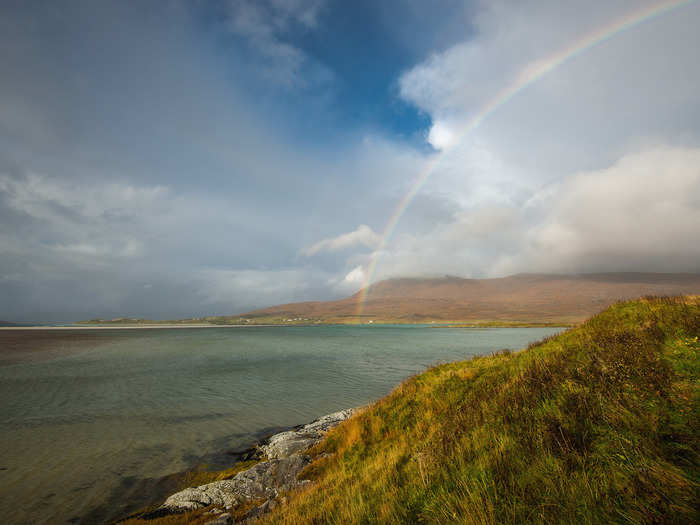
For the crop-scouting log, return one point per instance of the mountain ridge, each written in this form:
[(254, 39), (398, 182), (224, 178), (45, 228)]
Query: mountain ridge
[(524, 297)]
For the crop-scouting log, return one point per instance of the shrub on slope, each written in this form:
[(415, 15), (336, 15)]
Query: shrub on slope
[(597, 425)]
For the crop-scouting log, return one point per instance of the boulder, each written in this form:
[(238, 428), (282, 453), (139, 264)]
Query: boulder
[(263, 481), (285, 444)]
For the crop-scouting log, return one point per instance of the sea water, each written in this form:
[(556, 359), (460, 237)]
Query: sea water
[(86, 433)]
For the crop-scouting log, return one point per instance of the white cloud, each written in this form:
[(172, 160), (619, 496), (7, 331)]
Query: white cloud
[(586, 112), (641, 213), (362, 236), (349, 282), (566, 175), (355, 277), (440, 136)]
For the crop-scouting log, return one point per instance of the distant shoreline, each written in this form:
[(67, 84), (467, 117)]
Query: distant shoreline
[(131, 327), (488, 324)]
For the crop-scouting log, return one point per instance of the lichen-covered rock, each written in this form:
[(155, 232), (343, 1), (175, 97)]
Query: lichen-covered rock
[(262, 481), (285, 444)]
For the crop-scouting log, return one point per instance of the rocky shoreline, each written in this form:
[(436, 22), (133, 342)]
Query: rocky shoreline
[(262, 486)]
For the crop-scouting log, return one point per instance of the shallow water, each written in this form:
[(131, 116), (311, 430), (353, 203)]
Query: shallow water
[(87, 423)]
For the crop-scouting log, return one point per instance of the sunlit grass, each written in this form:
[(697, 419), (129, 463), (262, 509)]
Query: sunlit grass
[(597, 425)]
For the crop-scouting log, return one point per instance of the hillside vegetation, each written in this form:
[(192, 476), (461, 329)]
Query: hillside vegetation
[(597, 425)]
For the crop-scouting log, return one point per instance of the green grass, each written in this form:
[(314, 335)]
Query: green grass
[(596, 425)]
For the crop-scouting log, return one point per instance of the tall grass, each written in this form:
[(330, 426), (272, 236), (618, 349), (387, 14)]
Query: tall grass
[(597, 425)]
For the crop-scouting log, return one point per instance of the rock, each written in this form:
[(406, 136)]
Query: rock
[(258, 511), (285, 444), (325, 423), (224, 519), (264, 480)]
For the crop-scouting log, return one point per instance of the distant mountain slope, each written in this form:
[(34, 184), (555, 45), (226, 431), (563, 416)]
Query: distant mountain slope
[(522, 297)]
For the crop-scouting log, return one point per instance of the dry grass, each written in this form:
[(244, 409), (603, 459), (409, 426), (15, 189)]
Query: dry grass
[(597, 425), (197, 517)]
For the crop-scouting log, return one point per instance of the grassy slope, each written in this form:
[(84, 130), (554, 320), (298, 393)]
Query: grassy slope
[(597, 425)]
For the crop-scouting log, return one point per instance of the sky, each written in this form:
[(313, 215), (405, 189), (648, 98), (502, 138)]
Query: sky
[(187, 158)]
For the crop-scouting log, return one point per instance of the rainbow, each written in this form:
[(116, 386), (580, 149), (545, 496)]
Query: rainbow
[(531, 75)]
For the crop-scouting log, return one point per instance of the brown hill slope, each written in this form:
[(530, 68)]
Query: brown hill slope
[(522, 297)]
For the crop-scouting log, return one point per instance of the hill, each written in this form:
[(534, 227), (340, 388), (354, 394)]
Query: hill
[(529, 298), (600, 424)]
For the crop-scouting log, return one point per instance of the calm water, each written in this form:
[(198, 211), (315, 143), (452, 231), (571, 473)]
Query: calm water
[(84, 426)]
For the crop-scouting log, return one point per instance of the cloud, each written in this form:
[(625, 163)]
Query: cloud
[(253, 288), (267, 26), (355, 277), (137, 156), (97, 221), (441, 136), (641, 213), (585, 113), (187, 153), (555, 178), (362, 236), (54, 200)]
